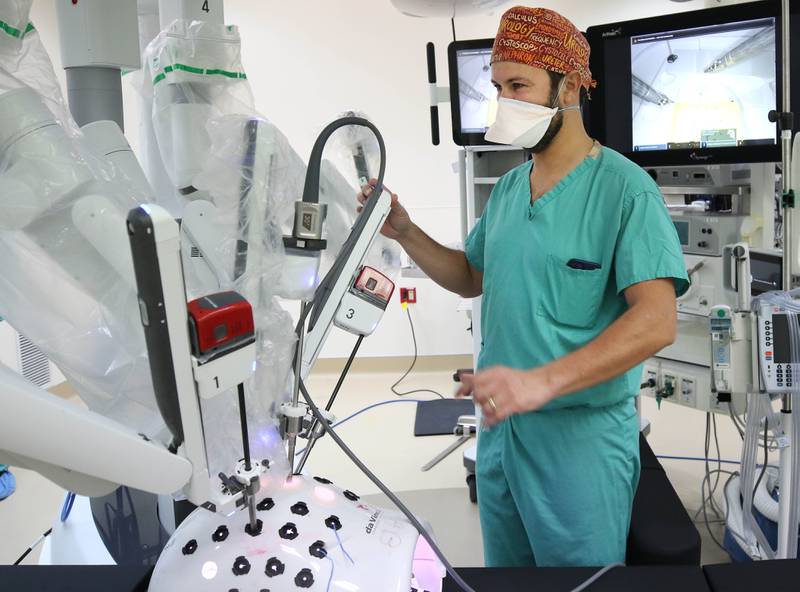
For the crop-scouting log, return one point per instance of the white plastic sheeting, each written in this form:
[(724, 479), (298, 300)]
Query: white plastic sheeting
[(67, 281)]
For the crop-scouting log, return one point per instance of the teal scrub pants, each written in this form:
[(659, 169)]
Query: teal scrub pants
[(555, 488)]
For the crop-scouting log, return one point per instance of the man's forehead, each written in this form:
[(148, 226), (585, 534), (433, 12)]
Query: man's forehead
[(508, 71)]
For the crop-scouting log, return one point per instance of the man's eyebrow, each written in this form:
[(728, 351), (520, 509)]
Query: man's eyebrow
[(515, 79)]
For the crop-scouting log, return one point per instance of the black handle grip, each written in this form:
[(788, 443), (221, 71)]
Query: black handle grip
[(435, 125), (431, 52), (154, 320)]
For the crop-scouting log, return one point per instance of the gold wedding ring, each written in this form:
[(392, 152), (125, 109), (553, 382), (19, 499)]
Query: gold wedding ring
[(492, 404)]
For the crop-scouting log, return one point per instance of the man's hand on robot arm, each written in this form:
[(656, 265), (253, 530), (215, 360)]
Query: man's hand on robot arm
[(502, 392), (398, 222)]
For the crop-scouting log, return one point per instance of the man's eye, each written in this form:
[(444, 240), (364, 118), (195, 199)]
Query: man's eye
[(517, 85)]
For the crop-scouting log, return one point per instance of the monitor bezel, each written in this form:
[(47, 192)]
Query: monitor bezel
[(673, 22)]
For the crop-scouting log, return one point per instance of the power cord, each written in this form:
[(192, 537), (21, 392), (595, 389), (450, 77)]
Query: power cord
[(35, 544), (411, 368), (708, 500)]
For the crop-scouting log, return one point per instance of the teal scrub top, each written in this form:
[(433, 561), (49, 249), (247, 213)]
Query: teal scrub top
[(608, 214)]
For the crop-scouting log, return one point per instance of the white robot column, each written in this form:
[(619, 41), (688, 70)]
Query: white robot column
[(99, 39)]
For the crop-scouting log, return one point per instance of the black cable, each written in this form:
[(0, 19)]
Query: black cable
[(33, 546), (453, 24), (312, 440), (343, 375), (243, 419), (766, 457), (413, 363)]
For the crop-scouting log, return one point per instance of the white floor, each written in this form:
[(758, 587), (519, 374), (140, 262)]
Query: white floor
[(383, 438)]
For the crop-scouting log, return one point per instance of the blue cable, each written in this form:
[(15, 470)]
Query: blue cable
[(67, 507), (374, 405), (389, 402), (341, 546), (716, 460), (368, 408), (330, 577)]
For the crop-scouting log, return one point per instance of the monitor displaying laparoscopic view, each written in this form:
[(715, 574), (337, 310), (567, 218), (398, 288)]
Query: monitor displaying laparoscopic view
[(705, 87), (477, 95)]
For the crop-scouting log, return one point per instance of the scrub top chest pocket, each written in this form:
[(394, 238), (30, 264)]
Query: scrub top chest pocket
[(573, 291)]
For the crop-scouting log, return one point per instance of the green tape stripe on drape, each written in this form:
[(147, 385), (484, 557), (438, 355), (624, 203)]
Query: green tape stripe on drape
[(193, 70), (14, 32)]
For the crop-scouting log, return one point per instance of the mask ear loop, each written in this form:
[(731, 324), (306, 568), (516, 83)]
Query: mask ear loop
[(558, 93)]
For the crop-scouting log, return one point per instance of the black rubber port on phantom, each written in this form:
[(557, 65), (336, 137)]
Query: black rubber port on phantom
[(254, 531), (333, 522), (189, 547), (288, 531), (304, 579), (351, 496), (318, 550), (220, 534), (265, 505), (300, 508), (323, 480), (241, 566), (274, 567)]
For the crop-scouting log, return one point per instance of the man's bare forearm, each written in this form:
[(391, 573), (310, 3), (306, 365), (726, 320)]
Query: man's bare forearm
[(447, 267), (638, 334)]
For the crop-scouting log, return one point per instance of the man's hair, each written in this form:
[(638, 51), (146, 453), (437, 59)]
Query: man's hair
[(555, 81)]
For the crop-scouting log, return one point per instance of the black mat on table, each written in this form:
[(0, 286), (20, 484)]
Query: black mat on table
[(440, 416)]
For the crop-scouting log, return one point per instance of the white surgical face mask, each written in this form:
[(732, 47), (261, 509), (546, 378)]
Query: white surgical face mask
[(521, 124)]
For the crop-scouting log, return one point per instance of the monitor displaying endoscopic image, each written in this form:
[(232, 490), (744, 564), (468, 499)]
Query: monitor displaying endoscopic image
[(705, 87), (476, 93)]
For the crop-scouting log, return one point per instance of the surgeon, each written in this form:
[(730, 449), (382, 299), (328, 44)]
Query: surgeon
[(578, 265)]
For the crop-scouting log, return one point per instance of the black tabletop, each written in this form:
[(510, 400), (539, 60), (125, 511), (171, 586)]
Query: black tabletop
[(74, 578), (621, 579), (775, 576)]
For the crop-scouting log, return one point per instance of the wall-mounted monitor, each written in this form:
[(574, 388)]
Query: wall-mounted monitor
[(693, 87), (473, 98)]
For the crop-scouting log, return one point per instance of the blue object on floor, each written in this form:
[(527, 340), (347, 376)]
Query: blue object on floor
[(67, 507), (7, 484)]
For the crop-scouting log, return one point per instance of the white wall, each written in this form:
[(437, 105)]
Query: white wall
[(309, 61)]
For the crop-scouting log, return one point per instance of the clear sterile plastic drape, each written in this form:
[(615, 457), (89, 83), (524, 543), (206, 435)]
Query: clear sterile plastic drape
[(216, 149), (67, 277)]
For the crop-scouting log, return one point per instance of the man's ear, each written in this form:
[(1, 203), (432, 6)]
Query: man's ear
[(571, 92)]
